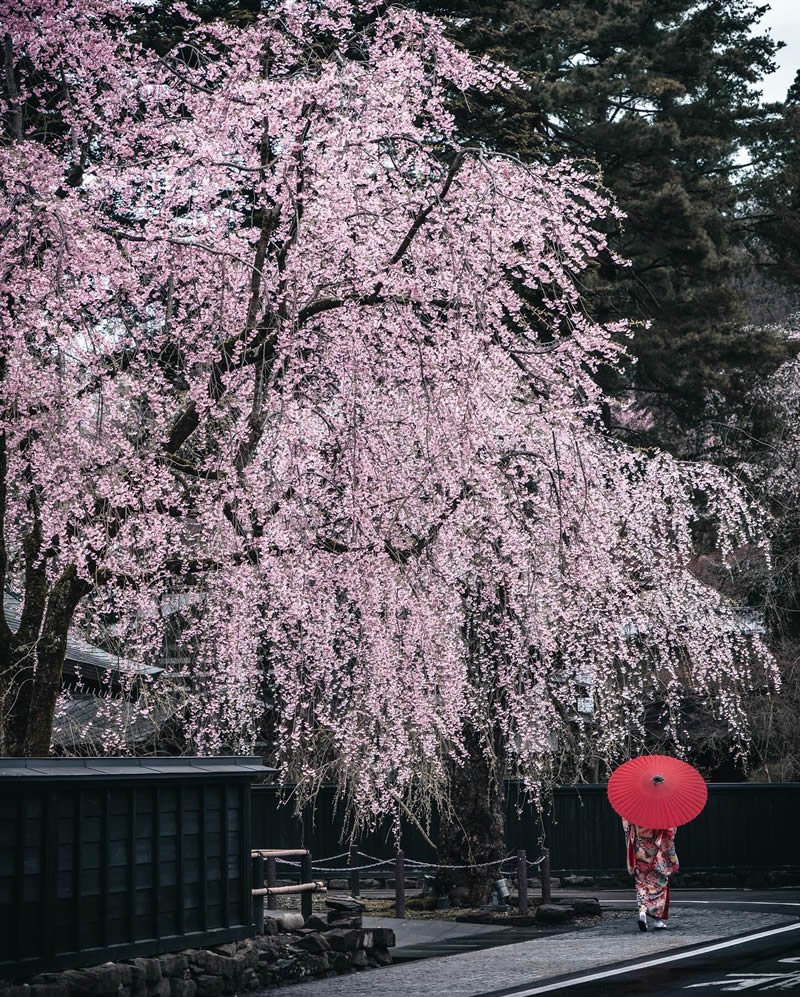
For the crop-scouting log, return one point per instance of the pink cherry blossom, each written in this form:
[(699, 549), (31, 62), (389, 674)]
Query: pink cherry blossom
[(273, 336)]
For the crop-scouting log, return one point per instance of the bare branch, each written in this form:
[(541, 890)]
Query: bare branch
[(11, 87), (423, 213)]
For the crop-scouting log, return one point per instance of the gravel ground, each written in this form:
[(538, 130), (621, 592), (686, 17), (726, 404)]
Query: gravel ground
[(471, 974)]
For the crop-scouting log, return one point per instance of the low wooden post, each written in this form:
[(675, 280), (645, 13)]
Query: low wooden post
[(522, 880), (258, 901), (272, 880), (546, 876), (355, 890), (400, 885), (306, 876)]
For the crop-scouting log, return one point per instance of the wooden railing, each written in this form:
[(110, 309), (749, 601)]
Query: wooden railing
[(265, 871)]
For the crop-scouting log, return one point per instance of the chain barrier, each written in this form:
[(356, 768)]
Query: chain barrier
[(332, 858), (377, 863)]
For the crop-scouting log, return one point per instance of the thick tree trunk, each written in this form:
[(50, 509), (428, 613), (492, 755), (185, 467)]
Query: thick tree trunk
[(473, 831), (30, 679)]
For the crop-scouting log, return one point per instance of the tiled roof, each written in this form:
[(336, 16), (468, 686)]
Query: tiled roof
[(103, 768), (86, 721), (80, 653)]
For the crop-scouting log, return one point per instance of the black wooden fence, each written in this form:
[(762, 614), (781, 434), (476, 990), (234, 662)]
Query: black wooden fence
[(744, 826), (112, 858)]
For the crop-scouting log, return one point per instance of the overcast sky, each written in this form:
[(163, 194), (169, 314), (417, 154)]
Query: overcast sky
[(783, 20)]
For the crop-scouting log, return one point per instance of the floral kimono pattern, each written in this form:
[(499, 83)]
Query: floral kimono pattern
[(652, 860)]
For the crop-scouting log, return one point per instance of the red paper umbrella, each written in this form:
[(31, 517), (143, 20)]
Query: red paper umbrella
[(657, 791)]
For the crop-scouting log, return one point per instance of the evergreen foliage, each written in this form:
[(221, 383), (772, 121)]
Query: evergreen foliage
[(663, 96)]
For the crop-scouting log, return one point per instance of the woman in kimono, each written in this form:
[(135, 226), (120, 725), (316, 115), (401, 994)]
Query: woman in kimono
[(652, 860)]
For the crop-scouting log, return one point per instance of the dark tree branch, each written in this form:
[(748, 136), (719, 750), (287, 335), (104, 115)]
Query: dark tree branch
[(11, 87), (35, 577), (5, 631), (423, 213)]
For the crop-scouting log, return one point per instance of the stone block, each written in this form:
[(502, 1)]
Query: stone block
[(138, 978), (342, 962), (554, 913), (210, 986), (229, 948), (360, 960), (587, 906), (78, 981), (316, 922), (49, 990), (108, 978), (576, 881), (348, 904), (313, 964), (173, 965), (338, 884), (383, 938), (182, 988), (213, 963), (151, 967), (160, 989), (313, 942), (344, 939), (270, 925), (338, 919), (285, 920), (250, 957), (382, 957)]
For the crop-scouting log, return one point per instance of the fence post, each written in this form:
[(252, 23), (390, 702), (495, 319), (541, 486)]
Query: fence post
[(522, 880), (400, 885), (353, 862), (307, 876), (272, 880), (258, 902), (546, 876)]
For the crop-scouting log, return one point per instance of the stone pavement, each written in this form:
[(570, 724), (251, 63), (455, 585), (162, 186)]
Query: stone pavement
[(470, 974)]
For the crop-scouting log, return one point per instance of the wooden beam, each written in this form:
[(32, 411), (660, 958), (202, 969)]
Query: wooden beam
[(300, 888), (278, 853)]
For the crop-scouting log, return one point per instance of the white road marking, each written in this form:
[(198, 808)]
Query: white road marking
[(726, 903), (605, 974)]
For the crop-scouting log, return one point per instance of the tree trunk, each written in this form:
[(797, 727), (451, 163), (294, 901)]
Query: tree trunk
[(473, 831), (28, 694)]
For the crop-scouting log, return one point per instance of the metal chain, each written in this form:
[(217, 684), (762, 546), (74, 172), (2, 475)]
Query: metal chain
[(471, 865), (348, 868), (332, 858), (408, 861)]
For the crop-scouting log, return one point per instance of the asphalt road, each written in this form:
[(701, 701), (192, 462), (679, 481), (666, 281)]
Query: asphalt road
[(766, 961)]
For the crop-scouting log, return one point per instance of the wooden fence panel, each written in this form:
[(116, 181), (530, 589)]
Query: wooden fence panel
[(104, 859), (744, 825)]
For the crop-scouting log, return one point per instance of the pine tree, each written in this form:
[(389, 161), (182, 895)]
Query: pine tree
[(772, 223), (662, 96)]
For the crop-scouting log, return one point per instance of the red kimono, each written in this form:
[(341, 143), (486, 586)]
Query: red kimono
[(652, 860)]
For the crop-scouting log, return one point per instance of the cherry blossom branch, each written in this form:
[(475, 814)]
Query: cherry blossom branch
[(423, 213)]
